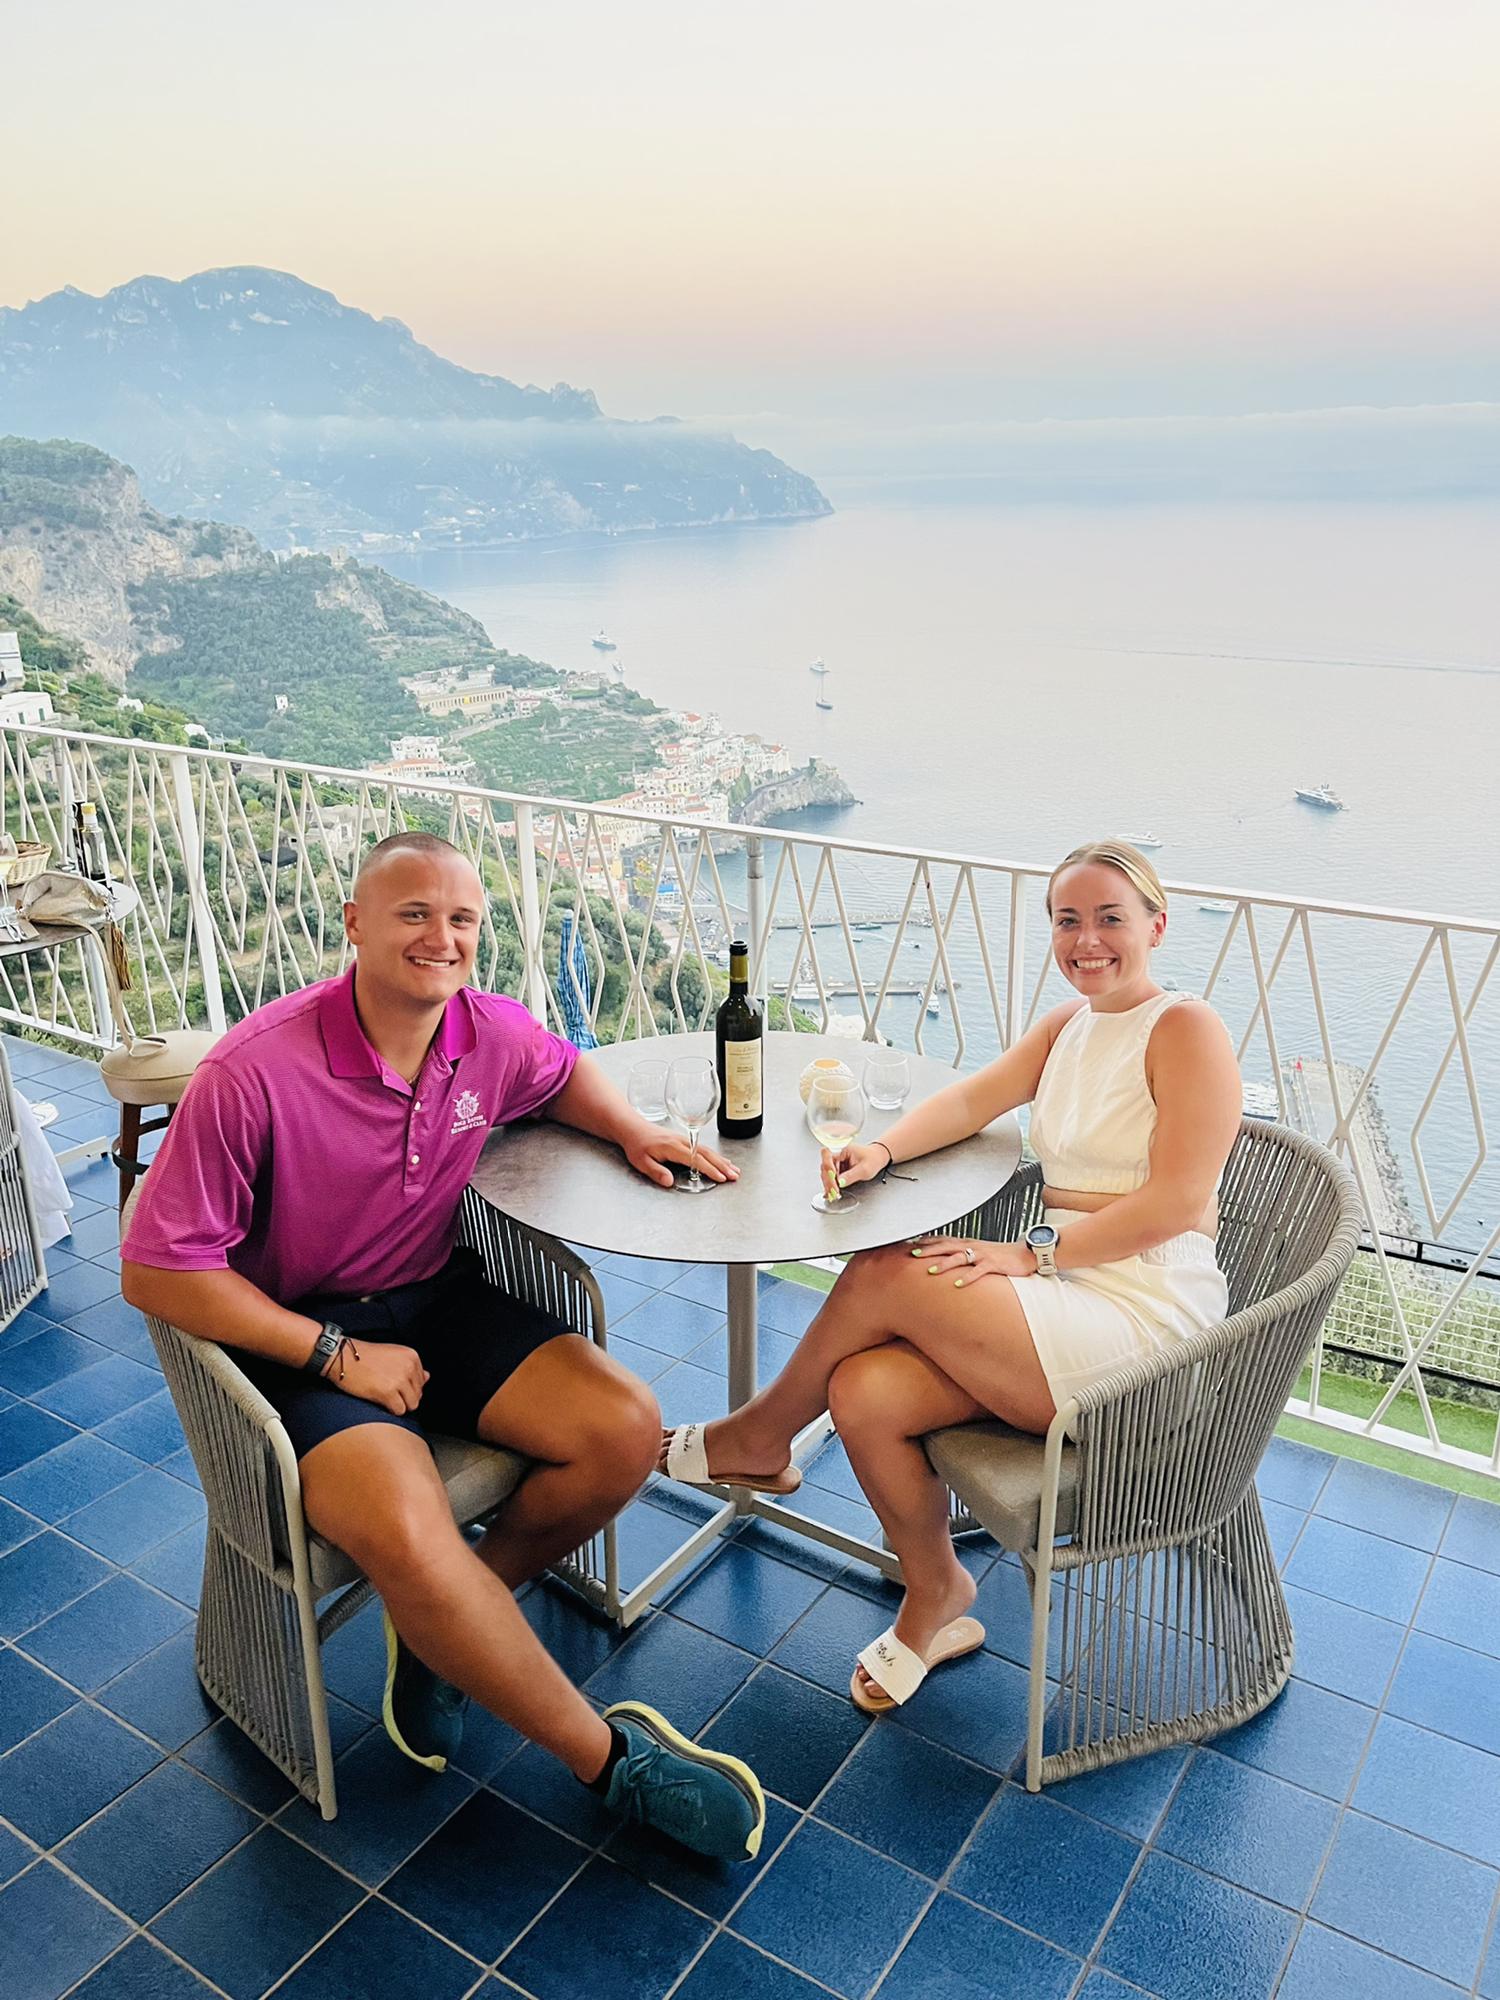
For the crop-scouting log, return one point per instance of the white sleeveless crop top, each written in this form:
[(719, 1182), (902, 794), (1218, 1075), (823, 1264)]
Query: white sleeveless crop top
[(1093, 1115)]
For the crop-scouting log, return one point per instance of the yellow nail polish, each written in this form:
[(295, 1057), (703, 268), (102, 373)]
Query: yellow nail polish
[(958, 1284), (916, 1253), (932, 1270)]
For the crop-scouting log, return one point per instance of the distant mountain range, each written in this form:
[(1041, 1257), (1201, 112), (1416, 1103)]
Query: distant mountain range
[(249, 396)]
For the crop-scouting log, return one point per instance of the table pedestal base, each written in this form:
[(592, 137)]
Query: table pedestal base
[(736, 1503)]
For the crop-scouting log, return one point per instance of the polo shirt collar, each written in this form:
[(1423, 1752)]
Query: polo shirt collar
[(350, 1051)]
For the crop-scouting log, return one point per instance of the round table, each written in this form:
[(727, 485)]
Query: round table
[(576, 1187), (570, 1185)]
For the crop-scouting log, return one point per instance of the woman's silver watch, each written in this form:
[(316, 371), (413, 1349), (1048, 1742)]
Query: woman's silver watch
[(1042, 1241)]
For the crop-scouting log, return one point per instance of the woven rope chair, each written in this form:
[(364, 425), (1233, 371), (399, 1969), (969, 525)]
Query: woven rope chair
[(264, 1574), (1137, 1519)]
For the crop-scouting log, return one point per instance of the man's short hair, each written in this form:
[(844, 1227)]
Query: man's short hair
[(415, 842)]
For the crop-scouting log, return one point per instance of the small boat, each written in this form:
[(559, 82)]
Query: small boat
[(1146, 842), (1216, 907), (821, 703), (601, 644), (934, 1009), (1323, 796), (817, 667)]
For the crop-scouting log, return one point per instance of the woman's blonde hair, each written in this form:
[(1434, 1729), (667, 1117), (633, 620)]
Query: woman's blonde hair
[(1131, 863)]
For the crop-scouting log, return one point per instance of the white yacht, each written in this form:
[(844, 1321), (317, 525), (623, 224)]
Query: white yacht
[(1217, 907), (1323, 796), (1146, 842)]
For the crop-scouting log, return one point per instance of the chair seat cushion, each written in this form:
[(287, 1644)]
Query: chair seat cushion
[(997, 1474), (477, 1477), (157, 1069)]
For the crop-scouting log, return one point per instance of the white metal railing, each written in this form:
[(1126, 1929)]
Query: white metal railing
[(1378, 1030)]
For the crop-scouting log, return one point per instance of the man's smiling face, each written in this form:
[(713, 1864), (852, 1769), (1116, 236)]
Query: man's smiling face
[(416, 925)]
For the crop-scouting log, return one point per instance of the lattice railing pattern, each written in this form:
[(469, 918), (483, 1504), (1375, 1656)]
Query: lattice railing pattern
[(1377, 1030)]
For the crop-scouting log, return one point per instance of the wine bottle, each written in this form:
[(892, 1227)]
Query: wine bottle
[(739, 1047)]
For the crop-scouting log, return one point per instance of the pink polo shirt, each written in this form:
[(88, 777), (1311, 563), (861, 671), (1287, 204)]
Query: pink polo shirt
[(299, 1158)]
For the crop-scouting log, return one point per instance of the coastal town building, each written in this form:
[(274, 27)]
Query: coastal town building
[(414, 759), (469, 696), (19, 705)]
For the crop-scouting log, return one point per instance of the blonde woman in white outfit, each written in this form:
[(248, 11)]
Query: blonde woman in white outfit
[(1135, 1101)]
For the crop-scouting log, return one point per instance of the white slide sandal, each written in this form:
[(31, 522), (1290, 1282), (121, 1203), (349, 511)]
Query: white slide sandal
[(687, 1461), (898, 1671)]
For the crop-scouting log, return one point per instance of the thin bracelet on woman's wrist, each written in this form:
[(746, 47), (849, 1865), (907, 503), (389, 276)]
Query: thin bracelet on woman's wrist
[(890, 1157)]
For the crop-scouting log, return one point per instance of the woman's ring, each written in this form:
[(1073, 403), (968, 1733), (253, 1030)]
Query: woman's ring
[(968, 1256)]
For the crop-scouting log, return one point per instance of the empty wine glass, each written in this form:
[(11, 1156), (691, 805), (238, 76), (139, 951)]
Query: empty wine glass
[(692, 1099), (887, 1079), (646, 1088), (835, 1117)]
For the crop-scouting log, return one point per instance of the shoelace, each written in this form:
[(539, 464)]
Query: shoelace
[(646, 1782)]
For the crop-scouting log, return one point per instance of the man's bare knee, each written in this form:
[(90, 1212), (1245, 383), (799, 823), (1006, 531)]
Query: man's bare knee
[(620, 1430), (381, 1502)]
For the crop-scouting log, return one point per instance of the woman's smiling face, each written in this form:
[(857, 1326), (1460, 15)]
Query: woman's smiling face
[(1103, 935)]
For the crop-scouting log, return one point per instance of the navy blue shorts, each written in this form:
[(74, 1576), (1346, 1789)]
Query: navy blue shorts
[(471, 1336)]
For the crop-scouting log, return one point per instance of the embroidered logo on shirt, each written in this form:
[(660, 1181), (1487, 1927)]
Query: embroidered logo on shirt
[(468, 1115)]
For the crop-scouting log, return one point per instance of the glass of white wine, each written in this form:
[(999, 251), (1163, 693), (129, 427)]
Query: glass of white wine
[(692, 1099), (835, 1117)]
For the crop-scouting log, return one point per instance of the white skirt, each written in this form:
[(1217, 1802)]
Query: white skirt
[(1085, 1324)]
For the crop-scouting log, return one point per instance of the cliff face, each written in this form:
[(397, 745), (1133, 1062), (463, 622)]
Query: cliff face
[(76, 538), (816, 784), (80, 548)]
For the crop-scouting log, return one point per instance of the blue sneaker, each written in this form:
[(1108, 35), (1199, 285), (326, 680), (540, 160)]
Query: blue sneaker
[(709, 1802), (423, 1716)]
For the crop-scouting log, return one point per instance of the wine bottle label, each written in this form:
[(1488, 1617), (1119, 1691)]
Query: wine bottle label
[(742, 1079)]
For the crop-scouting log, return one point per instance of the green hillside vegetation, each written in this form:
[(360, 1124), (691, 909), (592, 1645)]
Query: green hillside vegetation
[(41, 484), (334, 636), (96, 704), (591, 753), (426, 632), (60, 668), (42, 652), (238, 639), (235, 640)]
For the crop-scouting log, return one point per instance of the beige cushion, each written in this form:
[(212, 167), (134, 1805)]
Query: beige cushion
[(157, 1069), (997, 1473), (478, 1477)]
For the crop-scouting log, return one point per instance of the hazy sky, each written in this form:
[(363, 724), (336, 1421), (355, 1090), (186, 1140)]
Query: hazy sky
[(908, 214)]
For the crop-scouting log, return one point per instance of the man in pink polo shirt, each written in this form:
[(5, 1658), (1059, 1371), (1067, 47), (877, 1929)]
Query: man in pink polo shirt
[(302, 1211)]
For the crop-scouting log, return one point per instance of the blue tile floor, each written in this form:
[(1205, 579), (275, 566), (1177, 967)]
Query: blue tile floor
[(1345, 1843)]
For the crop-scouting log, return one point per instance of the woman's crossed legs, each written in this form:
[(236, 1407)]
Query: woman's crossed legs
[(896, 1353)]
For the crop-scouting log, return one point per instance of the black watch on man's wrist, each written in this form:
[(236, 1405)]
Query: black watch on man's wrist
[(327, 1344)]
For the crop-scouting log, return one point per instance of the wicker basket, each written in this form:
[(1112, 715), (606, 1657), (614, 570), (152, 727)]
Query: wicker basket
[(28, 861)]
